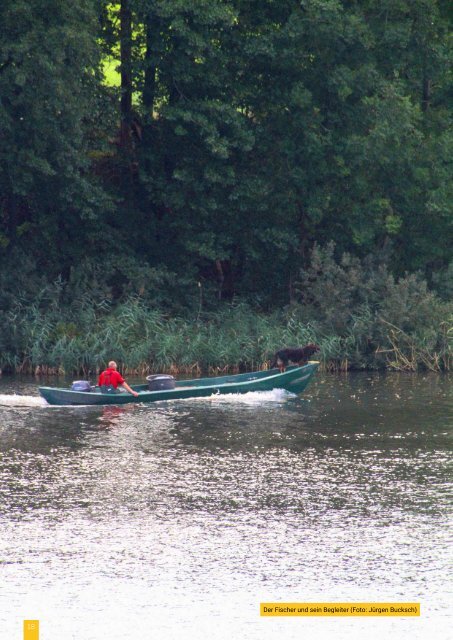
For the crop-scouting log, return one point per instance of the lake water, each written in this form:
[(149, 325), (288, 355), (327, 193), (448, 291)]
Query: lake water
[(175, 520)]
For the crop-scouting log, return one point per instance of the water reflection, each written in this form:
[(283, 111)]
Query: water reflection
[(111, 416), (145, 511)]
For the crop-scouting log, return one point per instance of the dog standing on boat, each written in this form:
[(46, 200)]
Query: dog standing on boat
[(297, 355)]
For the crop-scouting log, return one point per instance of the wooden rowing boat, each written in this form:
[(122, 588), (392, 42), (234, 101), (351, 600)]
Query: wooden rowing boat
[(294, 379)]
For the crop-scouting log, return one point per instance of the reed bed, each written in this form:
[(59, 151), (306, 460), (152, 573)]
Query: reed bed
[(46, 339)]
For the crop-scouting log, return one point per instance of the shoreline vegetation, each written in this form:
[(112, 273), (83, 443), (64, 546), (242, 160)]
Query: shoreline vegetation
[(190, 187), (362, 319), (409, 359)]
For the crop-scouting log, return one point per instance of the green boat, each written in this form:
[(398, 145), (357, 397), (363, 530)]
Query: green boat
[(294, 379)]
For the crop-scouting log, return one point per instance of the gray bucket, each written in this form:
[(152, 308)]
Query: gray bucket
[(160, 382), (81, 385)]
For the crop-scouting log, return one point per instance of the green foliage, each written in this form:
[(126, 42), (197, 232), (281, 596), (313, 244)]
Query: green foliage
[(266, 128), (48, 89), (257, 130), (357, 312), (378, 319)]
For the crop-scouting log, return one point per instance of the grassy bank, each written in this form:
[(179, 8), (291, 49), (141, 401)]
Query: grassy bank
[(360, 315), (45, 339)]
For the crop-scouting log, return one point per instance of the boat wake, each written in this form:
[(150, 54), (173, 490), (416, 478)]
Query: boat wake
[(252, 397), (15, 400)]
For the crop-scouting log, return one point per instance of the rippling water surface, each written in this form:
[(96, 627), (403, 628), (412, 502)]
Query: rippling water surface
[(175, 520)]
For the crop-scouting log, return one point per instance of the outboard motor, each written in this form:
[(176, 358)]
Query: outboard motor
[(160, 381), (81, 385)]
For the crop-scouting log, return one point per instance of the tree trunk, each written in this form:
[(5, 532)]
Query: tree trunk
[(426, 99), (298, 257), (126, 74), (225, 278), (152, 27), (149, 88)]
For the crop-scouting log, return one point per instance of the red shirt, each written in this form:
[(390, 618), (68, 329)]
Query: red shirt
[(110, 377)]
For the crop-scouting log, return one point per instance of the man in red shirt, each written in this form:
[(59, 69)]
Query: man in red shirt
[(111, 378)]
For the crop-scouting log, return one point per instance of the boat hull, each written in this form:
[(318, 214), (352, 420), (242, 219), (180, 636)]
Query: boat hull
[(294, 379)]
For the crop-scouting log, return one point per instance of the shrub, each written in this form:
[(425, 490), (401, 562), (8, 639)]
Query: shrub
[(380, 321)]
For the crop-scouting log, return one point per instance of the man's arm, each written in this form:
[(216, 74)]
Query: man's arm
[(127, 387)]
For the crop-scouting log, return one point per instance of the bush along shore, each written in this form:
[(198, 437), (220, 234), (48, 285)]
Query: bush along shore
[(360, 319)]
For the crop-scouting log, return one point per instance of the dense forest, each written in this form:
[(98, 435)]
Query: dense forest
[(261, 174)]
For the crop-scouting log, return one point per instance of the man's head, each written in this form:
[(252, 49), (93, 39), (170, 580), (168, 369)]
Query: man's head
[(112, 364)]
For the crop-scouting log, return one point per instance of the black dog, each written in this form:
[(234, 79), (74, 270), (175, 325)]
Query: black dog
[(298, 355)]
